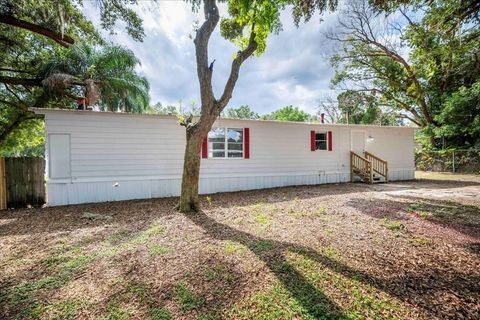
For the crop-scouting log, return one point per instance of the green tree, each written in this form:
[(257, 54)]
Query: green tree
[(27, 141), (33, 32), (288, 113), (362, 108), (158, 108), (106, 76), (63, 21), (242, 112), (248, 25), (179, 110), (460, 118), (442, 57)]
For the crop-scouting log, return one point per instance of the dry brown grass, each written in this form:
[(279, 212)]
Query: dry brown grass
[(352, 251), (430, 175)]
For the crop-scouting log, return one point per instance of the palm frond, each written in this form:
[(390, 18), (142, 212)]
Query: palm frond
[(106, 74)]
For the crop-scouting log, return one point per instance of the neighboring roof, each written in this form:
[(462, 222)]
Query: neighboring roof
[(125, 114)]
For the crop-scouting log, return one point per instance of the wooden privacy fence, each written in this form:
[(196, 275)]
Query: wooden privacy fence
[(3, 185), (23, 183)]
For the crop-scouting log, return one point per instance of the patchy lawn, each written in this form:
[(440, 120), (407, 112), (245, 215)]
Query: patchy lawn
[(352, 251), (430, 175)]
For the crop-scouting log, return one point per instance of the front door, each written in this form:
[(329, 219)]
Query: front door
[(358, 142)]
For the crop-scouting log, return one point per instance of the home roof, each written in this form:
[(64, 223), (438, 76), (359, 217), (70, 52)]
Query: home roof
[(127, 114)]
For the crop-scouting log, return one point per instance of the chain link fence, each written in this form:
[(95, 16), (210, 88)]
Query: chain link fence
[(464, 161)]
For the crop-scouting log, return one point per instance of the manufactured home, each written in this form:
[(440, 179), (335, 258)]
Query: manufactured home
[(102, 156)]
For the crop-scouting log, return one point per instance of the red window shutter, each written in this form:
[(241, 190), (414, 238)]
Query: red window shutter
[(330, 142), (205, 148), (312, 140), (246, 132)]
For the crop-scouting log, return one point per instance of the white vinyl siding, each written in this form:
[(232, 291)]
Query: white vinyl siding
[(144, 154)]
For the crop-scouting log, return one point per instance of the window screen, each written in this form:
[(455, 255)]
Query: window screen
[(225, 143), (216, 143), (235, 143), (320, 141)]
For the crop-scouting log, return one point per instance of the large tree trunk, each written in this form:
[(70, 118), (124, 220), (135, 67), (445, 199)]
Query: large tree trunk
[(195, 133), (211, 107), (191, 173)]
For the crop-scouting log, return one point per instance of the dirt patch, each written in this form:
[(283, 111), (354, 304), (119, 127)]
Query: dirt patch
[(348, 251)]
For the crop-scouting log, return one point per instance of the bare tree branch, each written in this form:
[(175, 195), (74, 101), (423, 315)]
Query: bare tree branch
[(202, 37), (63, 40), (21, 81), (404, 116), (15, 71), (235, 69), (359, 29)]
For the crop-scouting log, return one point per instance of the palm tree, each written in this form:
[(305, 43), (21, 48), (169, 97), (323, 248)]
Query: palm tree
[(105, 76)]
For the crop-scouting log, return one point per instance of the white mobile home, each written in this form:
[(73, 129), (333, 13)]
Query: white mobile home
[(102, 156)]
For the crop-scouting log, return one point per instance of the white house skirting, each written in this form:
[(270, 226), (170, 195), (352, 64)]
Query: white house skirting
[(76, 192)]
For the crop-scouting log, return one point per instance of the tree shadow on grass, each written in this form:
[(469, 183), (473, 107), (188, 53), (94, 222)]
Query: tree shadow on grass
[(432, 289), (273, 254), (461, 217), (323, 191), (416, 287), (53, 219), (449, 214)]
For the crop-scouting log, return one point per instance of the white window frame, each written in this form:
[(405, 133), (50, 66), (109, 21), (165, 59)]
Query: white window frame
[(209, 150), (326, 140)]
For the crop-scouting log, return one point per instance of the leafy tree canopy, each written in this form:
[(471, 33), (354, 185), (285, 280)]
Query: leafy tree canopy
[(443, 44), (106, 76), (51, 54), (27, 141), (356, 107), (288, 113), (249, 24), (158, 108), (176, 110), (242, 112), (264, 17), (460, 118), (63, 21)]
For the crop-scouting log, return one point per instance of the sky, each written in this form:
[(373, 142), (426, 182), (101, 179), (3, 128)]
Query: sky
[(294, 70)]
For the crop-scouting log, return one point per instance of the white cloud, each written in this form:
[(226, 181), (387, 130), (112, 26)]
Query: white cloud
[(170, 19), (294, 69)]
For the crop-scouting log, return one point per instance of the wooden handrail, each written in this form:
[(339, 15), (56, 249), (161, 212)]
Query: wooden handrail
[(366, 166), (361, 165), (369, 155), (359, 156), (379, 165)]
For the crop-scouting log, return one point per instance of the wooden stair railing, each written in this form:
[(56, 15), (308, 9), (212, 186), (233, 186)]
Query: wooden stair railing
[(379, 166), (360, 166)]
